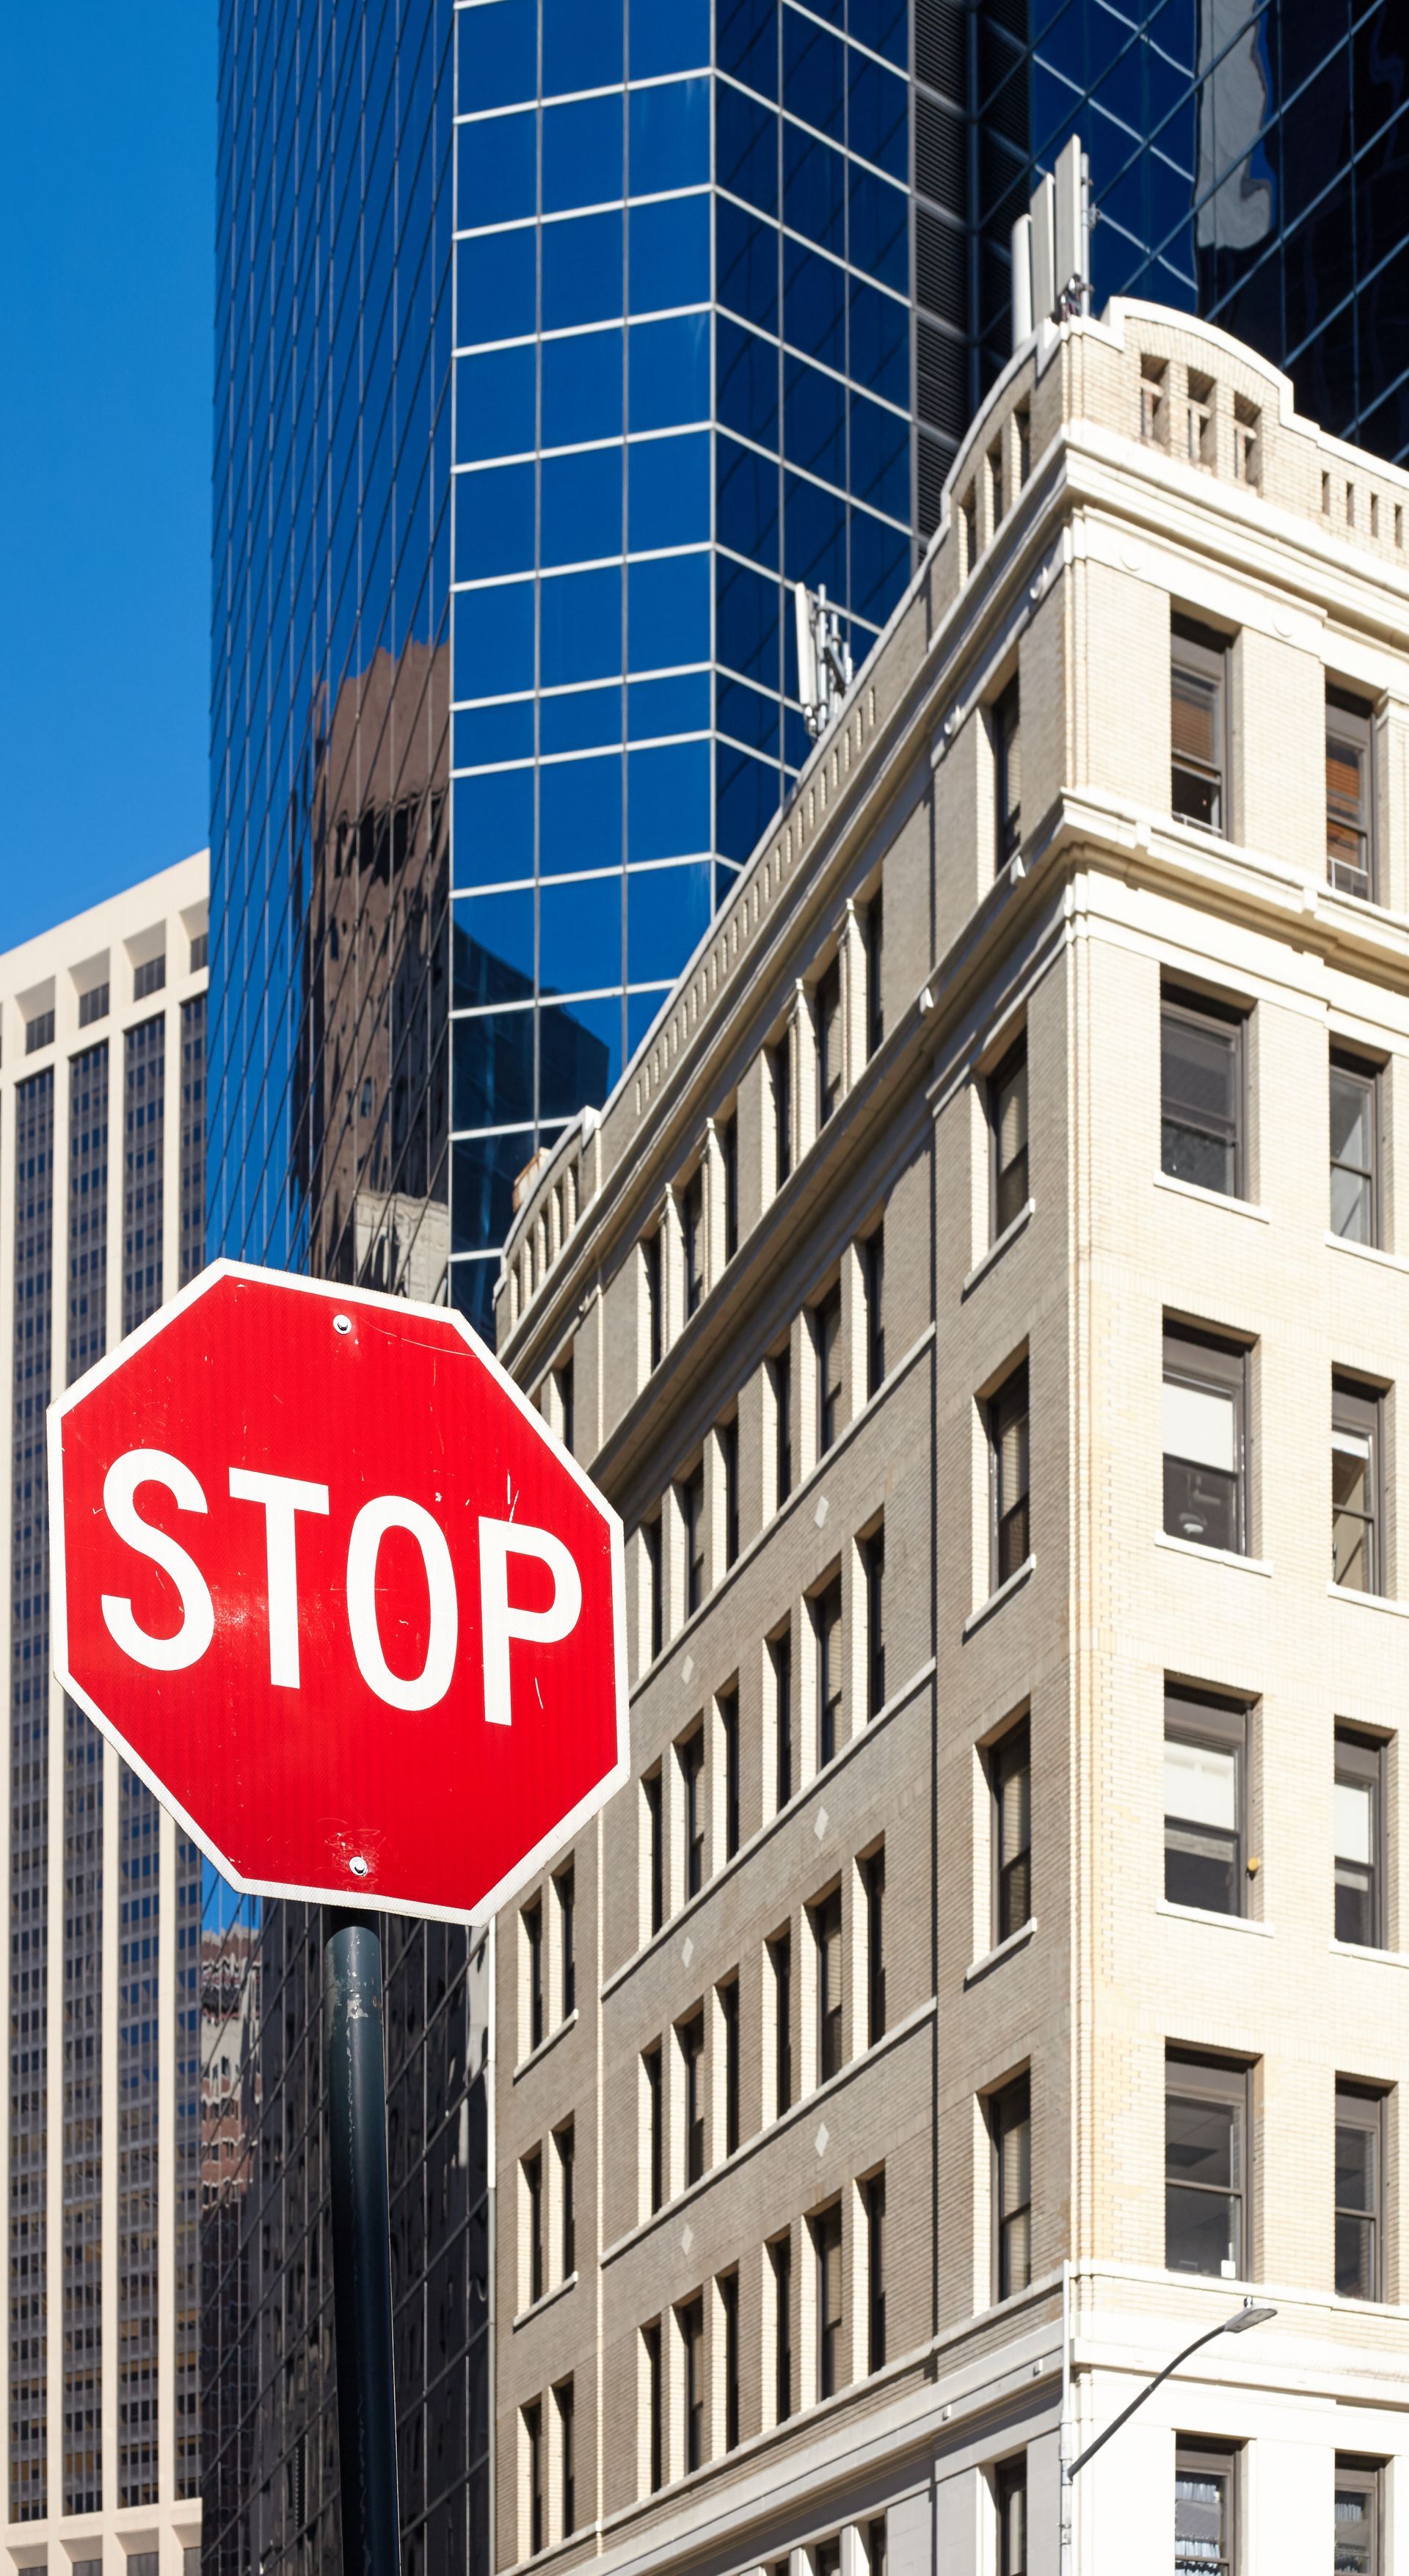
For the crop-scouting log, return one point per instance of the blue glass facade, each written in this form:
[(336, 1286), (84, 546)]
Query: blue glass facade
[(1250, 163), (682, 379)]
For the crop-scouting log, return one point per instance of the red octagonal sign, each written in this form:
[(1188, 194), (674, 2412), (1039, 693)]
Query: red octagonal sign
[(338, 1594)]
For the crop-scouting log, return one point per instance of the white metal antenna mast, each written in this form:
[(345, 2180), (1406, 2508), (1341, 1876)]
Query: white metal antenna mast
[(824, 668)]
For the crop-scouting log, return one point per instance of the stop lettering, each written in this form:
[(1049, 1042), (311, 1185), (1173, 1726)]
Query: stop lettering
[(337, 1593)]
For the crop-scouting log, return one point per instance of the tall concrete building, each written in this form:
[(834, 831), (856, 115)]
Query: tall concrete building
[(984, 1300), (102, 1214)]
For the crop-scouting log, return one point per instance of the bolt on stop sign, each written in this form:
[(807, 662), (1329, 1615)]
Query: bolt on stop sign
[(338, 1594)]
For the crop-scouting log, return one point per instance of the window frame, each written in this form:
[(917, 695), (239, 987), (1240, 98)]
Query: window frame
[(1202, 652), (1355, 723), (695, 1524), (780, 1062), (565, 2405), (690, 2040), (657, 1892), (780, 1660), (652, 1542), (1359, 1760), (1181, 1008), (1194, 2459), (1008, 1760), (1362, 2107), (780, 1960), (873, 1888), (1190, 2075), (728, 1992), (873, 1576), (781, 1366), (1356, 2474), (874, 934), (728, 2286), (653, 2340), (1007, 772), (1370, 1076), (1011, 1067), (824, 1917), (873, 1276), (1010, 2506), (873, 2208), (694, 2383), (1222, 1725), (825, 2227), (534, 1931), (727, 1132), (693, 1266), (1010, 2110), (728, 1436), (1358, 1413), (829, 1342), (780, 2261), (727, 1703), (1009, 1408), (1220, 1365), (565, 1894), (653, 1274), (653, 2062), (829, 1022), (532, 2419), (826, 1608), (535, 2203), (690, 1760)]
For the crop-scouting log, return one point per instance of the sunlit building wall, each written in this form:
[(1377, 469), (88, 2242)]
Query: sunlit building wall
[(102, 1189)]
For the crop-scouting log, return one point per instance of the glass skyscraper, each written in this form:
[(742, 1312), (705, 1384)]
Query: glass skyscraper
[(1249, 163)]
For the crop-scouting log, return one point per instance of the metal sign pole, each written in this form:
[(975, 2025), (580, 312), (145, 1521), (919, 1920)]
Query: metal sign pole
[(353, 2025)]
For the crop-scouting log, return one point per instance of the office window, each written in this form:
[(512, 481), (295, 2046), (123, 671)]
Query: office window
[(691, 1758), (829, 1041), (567, 2464), (780, 1960), (875, 972), (729, 2321), (690, 2036), (1007, 773), (826, 1934), (1201, 1093), (565, 1891), (92, 1005), (693, 2391), (780, 2258), (873, 1277), (1350, 855), (39, 1032), (873, 1887), (533, 2445), (729, 1472), (1200, 420), (729, 2021), (692, 1515), (1011, 1774), (1355, 1137), (727, 1131), (826, 1622), (692, 1238), (782, 1368), (1359, 2185), (654, 1287), (1356, 2548), (1153, 374), (567, 1411), (729, 1733), (873, 1569), (532, 2170), (826, 1326), (1205, 2163), (651, 1553), (1205, 1771), (1359, 1830), (1204, 2500), (1246, 458), (1010, 2121), (780, 1060), (780, 1655), (653, 1801), (533, 1945), (1205, 1466), (565, 2146), (149, 978), (1007, 1118), (1008, 1455), (826, 2239), (655, 2117), (1356, 1426), (1197, 725), (873, 2204), (655, 2403), (1010, 2497)]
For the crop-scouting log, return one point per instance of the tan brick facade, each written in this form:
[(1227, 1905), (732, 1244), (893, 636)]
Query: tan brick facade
[(1167, 474)]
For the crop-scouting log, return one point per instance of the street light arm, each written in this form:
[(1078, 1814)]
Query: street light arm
[(1136, 2402)]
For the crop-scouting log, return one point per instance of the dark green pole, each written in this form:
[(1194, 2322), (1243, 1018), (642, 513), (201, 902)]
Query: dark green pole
[(354, 2030)]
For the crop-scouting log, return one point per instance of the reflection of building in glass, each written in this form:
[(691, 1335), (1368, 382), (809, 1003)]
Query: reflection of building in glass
[(370, 1087), (102, 1125), (1250, 163)]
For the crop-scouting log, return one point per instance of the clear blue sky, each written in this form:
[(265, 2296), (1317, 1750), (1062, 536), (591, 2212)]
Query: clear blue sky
[(107, 147)]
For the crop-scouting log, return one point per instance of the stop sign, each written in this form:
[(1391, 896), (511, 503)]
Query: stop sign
[(338, 1594)]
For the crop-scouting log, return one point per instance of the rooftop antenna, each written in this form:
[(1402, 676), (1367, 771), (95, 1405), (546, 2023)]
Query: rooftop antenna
[(823, 660), (1051, 246)]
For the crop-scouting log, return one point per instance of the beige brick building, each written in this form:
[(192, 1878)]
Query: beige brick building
[(985, 1300)]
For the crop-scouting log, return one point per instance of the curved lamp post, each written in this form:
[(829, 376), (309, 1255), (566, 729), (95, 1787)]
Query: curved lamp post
[(1249, 2314)]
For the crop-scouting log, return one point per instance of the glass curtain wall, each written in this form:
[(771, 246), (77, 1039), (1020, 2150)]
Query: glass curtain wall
[(1249, 163), (682, 380)]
